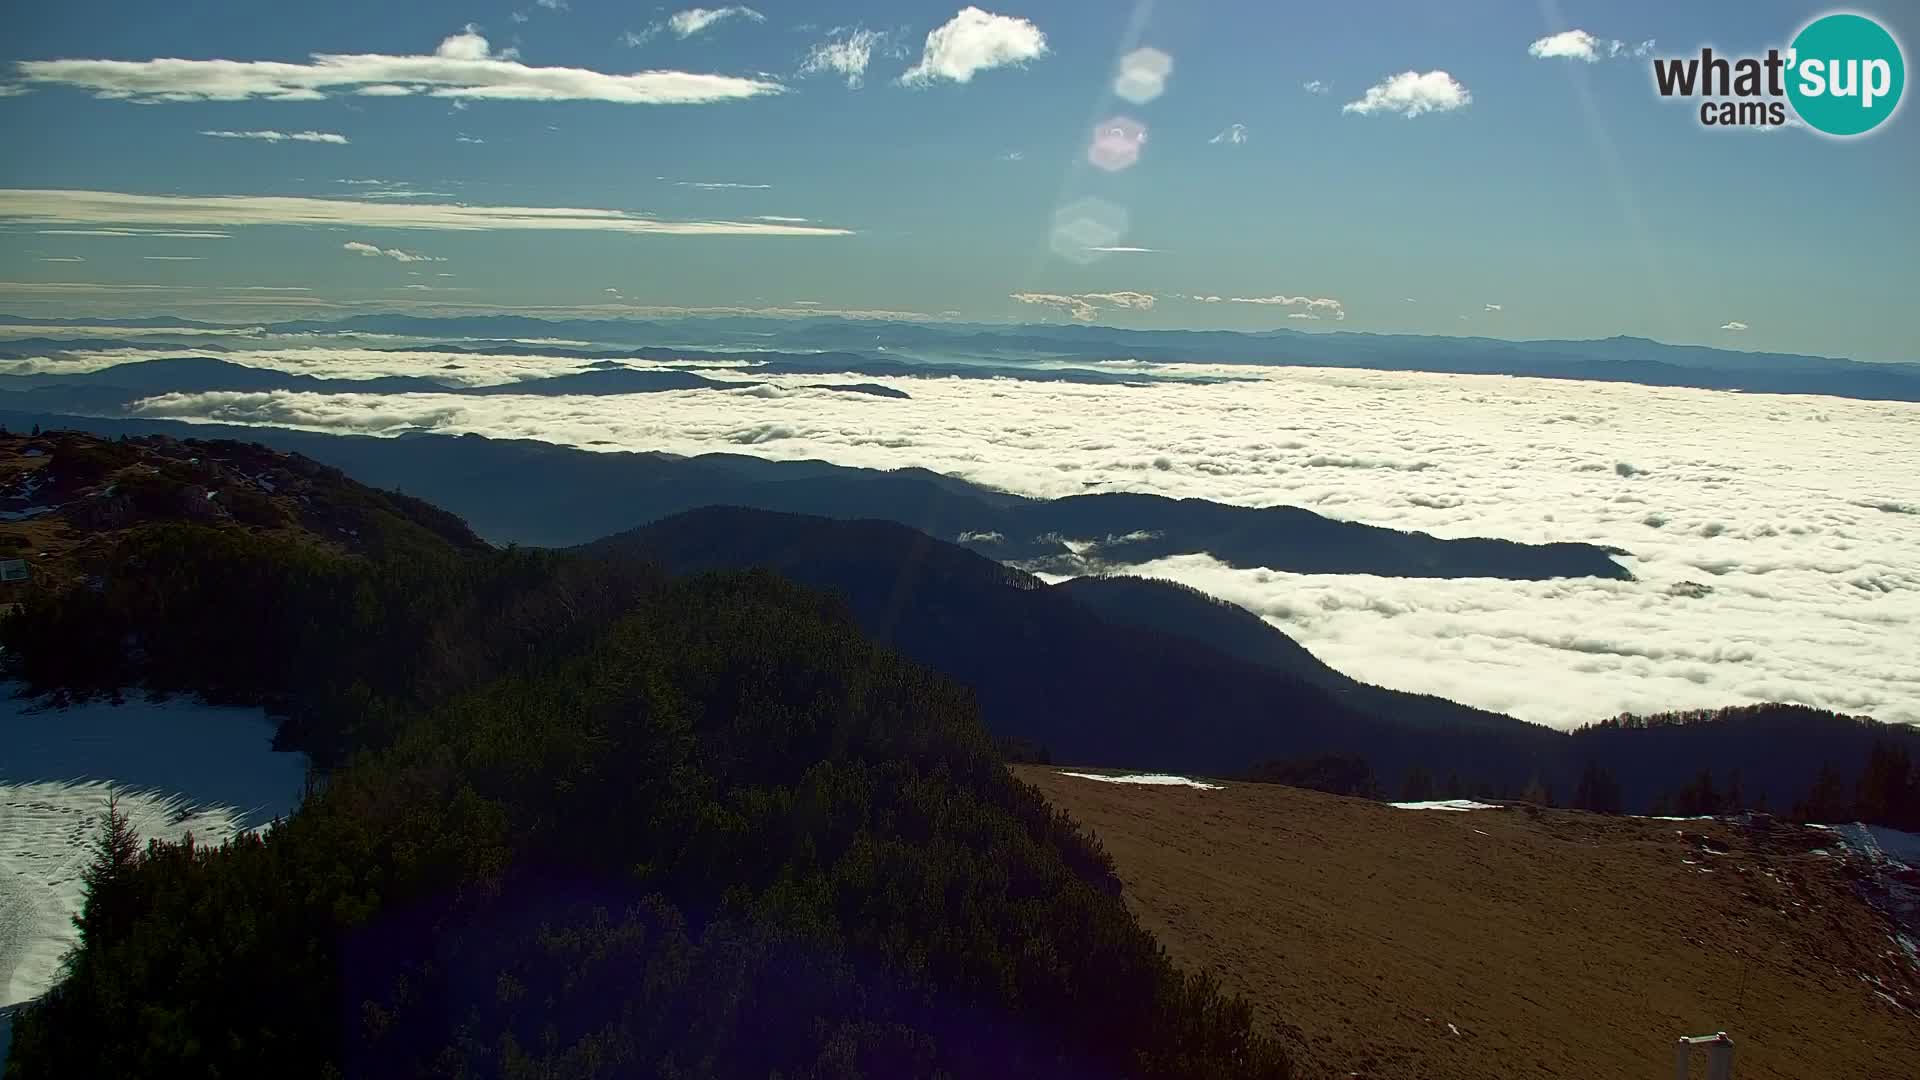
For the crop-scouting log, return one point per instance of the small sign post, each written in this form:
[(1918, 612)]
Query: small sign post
[(1719, 1055)]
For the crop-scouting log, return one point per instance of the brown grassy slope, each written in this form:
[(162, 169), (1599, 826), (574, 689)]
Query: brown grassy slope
[(1360, 932)]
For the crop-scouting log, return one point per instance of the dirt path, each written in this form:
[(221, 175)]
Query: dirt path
[(1500, 943)]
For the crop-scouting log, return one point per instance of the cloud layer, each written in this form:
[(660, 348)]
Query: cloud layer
[(63, 207), (974, 41), (463, 67), (1793, 511)]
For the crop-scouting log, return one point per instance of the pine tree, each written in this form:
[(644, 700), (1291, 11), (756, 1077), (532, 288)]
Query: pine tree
[(1597, 791), (1454, 788), (1828, 800), (1736, 799), (1886, 794), (1419, 786), (108, 903)]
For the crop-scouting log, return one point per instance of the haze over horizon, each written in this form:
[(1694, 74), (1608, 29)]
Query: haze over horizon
[(1490, 169)]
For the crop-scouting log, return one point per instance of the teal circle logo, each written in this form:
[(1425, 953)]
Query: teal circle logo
[(1845, 74)]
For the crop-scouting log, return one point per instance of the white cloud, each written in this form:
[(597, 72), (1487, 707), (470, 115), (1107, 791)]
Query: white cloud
[(974, 41), (472, 140), (1570, 44), (62, 258), (693, 20), (1315, 305), (1316, 86), (779, 217), (66, 207), (1812, 580), (282, 136), (633, 39), (462, 67), (720, 185), (397, 255), (1491, 307), (552, 5), (8, 90), (846, 54), (1736, 324), (136, 233), (1232, 134), (1124, 250), (1580, 45), (1412, 93), (173, 258), (1084, 307), (1014, 155)]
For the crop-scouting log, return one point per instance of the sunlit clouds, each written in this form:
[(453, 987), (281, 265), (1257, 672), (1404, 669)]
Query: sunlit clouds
[(463, 66), (64, 207), (974, 41), (1411, 94), (1795, 513)]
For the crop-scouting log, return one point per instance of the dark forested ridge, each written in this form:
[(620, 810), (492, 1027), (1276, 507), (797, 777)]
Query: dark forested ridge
[(584, 821), (1132, 673), (528, 492), (1045, 668)]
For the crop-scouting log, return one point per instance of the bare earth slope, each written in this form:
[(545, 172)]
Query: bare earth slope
[(1555, 943)]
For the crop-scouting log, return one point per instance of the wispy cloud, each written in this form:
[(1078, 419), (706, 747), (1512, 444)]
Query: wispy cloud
[(136, 233), (77, 258), (778, 217), (1316, 86), (1314, 306), (720, 185), (633, 39), (1232, 135), (844, 52), (1735, 325), (1122, 250), (1492, 307), (1085, 307), (974, 41), (1580, 45), (694, 20), (374, 251), (282, 136), (472, 140), (67, 207), (173, 258), (13, 90), (462, 67), (1412, 93)]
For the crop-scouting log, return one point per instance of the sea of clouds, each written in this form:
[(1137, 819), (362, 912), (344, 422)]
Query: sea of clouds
[(1799, 515)]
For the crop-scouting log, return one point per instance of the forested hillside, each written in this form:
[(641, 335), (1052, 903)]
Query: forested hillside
[(586, 821)]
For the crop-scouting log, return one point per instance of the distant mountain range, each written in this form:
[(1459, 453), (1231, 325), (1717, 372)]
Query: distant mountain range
[(535, 493), (1616, 359)]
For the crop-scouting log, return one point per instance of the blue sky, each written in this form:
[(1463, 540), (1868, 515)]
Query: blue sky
[(1537, 197)]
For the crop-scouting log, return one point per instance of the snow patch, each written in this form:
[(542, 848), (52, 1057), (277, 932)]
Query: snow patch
[(1444, 804), (1159, 779), (177, 766)]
